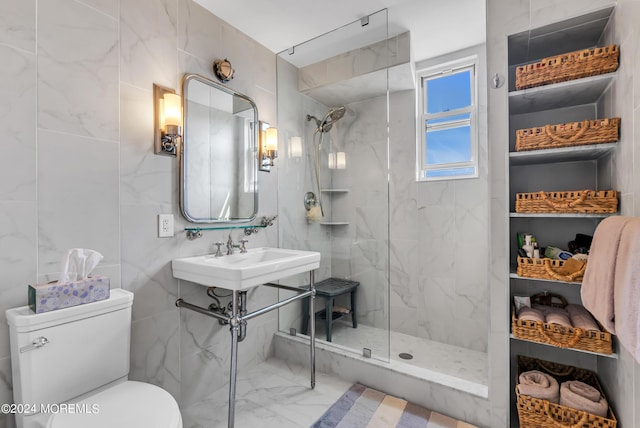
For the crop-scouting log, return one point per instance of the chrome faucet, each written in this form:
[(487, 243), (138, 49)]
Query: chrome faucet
[(231, 246)]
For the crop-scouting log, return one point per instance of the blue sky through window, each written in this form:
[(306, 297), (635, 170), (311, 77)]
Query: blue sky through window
[(448, 141), (447, 107), (448, 145), (449, 92)]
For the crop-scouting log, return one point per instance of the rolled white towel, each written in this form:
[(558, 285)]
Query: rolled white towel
[(539, 385), (543, 308), (530, 314), (558, 316), (580, 396), (581, 318)]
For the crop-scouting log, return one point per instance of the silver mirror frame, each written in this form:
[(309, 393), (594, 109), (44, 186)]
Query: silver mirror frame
[(254, 149)]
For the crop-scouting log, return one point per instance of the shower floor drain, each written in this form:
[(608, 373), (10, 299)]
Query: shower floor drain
[(405, 356)]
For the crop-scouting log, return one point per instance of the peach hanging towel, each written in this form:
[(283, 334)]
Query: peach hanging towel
[(611, 285)]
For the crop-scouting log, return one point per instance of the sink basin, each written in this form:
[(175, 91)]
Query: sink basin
[(241, 271)]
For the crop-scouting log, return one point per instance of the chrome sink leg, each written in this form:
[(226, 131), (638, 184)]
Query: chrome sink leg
[(235, 328), (312, 325)]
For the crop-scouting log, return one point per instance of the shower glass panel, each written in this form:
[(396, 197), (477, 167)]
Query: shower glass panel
[(333, 189)]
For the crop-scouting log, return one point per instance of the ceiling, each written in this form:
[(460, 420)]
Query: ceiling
[(437, 27)]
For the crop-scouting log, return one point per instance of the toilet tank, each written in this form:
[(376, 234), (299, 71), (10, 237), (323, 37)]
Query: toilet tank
[(88, 347)]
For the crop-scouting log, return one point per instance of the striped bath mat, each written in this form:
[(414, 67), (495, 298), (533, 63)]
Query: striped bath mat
[(362, 407)]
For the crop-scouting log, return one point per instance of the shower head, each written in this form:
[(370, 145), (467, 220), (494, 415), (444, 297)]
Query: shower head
[(336, 113), (332, 116)]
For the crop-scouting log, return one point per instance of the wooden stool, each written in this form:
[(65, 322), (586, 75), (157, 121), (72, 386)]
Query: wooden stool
[(330, 288)]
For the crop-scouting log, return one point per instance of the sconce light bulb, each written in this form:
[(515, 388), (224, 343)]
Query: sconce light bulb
[(272, 139), (167, 120), (172, 111), (267, 145)]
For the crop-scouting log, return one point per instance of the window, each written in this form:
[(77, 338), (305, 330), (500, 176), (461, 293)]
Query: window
[(447, 135)]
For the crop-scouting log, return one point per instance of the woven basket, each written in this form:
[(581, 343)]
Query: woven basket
[(561, 336), (569, 66), (546, 269), (538, 413), (577, 201), (568, 134)]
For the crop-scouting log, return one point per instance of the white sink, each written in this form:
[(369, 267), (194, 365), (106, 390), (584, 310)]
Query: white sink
[(241, 271)]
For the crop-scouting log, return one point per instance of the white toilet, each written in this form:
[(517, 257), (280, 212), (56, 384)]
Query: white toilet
[(71, 366)]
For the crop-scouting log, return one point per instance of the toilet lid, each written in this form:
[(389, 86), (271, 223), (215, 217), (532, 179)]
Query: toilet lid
[(129, 404)]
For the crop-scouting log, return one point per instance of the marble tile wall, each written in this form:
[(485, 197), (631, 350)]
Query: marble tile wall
[(439, 234), (620, 378), (79, 171)]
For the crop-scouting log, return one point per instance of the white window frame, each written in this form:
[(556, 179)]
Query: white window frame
[(441, 70)]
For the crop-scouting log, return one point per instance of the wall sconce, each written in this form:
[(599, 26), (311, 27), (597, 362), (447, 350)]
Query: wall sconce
[(267, 147), (295, 147), (337, 160), (167, 120)]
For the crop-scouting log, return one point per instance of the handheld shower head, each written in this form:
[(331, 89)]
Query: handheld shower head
[(322, 126), (332, 116), (336, 113)]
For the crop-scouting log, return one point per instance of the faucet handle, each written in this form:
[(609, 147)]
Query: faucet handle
[(218, 251), (268, 220), (243, 246)]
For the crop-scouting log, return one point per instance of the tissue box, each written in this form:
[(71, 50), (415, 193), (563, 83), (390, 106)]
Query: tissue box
[(51, 296)]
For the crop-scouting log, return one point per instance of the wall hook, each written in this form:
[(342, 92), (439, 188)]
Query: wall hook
[(497, 81)]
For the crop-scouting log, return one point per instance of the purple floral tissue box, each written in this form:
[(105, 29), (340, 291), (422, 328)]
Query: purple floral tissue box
[(51, 296)]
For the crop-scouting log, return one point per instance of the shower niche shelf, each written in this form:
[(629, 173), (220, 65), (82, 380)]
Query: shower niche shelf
[(334, 191)]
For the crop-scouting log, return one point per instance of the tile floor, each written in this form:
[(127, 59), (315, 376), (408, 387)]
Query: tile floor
[(277, 394), (273, 394)]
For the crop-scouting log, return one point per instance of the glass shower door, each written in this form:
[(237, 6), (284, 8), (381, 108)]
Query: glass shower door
[(333, 189)]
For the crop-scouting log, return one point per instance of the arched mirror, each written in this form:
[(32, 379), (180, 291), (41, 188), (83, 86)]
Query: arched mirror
[(218, 165)]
